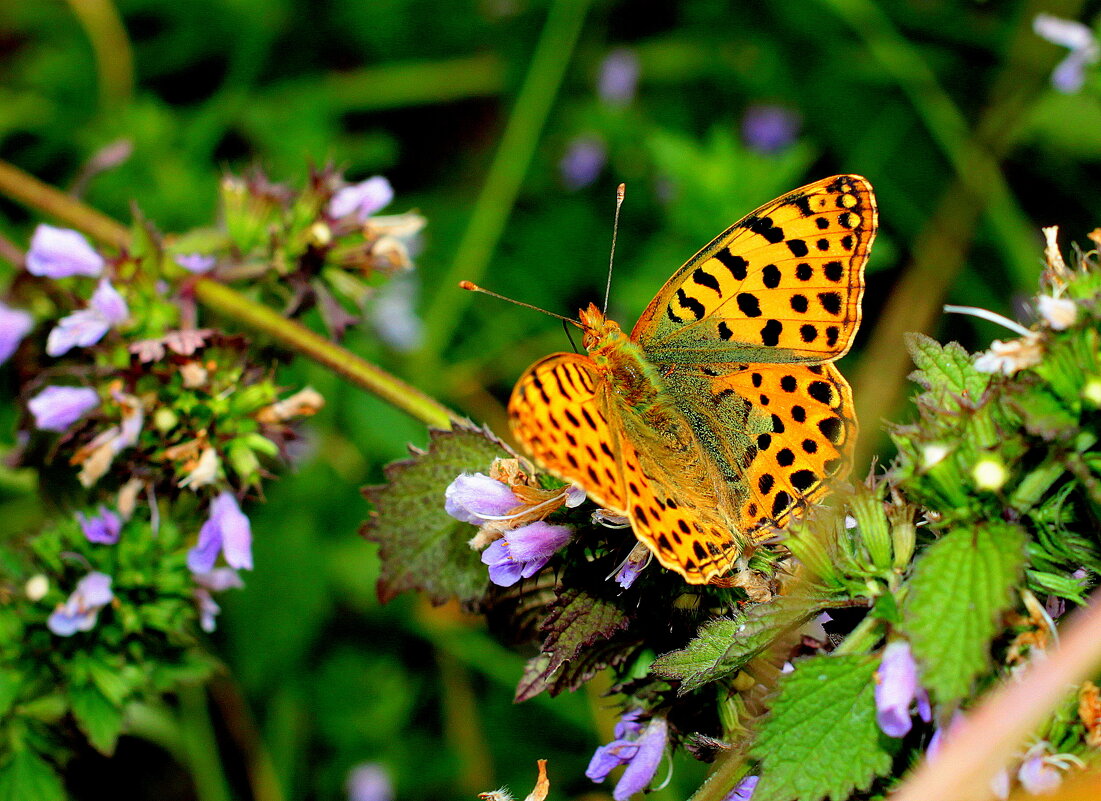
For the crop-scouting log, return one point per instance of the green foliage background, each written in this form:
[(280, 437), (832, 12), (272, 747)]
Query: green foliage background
[(945, 106)]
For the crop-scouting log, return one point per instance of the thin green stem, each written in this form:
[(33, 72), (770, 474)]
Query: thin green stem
[(231, 303), (506, 174), (111, 45), (197, 736)]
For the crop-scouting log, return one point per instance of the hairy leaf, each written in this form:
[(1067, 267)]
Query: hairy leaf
[(961, 584), (423, 548), (821, 737), (98, 718), (946, 371), (575, 623), (723, 646)]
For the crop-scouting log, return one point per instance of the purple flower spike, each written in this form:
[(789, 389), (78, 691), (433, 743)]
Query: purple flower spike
[(369, 781), (56, 408), (196, 263), (14, 325), (60, 253), (226, 531), (582, 162), (87, 326), (80, 611), (744, 790), (523, 552), (103, 528), (362, 199), (896, 690), (618, 80), (473, 498), (769, 129)]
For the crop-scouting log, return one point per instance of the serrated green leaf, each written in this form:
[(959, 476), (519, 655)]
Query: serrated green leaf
[(961, 584), (98, 718), (576, 621), (821, 737), (723, 646), (422, 548), (28, 777), (946, 371), (1044, 415)]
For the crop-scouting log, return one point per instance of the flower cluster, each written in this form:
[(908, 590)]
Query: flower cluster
[(510, 515), (638, 747)]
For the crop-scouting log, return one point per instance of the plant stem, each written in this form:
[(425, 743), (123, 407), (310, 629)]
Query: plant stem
[(506, 174), (197, 735), (344, 363), (227, 301), (30, 191)]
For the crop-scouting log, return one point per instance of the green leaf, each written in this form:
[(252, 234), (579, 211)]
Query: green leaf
[(1045, 415), (98, 718), (576, 621), (28, 777), (723, 646), (946, 371), (821, 738), (10, 683), (422, 548), (961, 584)]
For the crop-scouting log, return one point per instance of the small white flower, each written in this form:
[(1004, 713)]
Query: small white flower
[(989, 474), (1010, 357), (933, 454), (36, 587), (1070, 74), (1058, 313)]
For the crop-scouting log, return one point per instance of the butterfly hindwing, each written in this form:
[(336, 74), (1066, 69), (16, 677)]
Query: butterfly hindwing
[(783, 284)]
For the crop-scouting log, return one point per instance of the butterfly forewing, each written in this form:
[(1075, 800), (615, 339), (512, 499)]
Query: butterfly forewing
[(781, 285), (556, 412)]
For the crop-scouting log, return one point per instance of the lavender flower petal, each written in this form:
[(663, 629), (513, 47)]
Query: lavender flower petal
[(582, 162), (60, 253), (471, 498), (56, 408), (618, 81), (538, 540), (640, 771), (103, 528), (895, 689), (769, 129), (609, 757), (196, 262), (744, 790), (15, 324), (78, 330), (362, 199), (369, 781)]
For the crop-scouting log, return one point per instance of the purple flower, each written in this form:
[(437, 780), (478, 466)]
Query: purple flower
[(226, 531), (1037, 774), (641, 756), (582, 162), (523, 552), (195, 262), (87, 326), (362, 199), (896, 689), (14, 325), (744, 790), (632, 566), (103, 528), (769, 129), (1070, 73), (56, 408), (369, 781), (618, 77), (80, 611), (216, 580), (60, 253), (473, 498)]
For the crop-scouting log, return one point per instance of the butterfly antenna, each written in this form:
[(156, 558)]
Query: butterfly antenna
[(619, 193), (472, 287)]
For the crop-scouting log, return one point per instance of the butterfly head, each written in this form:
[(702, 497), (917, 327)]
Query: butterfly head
[(600, 332)]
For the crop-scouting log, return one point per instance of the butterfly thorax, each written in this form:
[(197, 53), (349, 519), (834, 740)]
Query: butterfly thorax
[(622, 361)]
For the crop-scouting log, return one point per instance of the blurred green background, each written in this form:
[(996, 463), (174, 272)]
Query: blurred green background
[(508, 123)]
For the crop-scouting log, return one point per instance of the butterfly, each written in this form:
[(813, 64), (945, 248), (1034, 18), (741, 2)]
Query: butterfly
[(722, 415)]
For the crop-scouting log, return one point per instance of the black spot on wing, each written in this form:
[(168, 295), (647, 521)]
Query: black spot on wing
[(771, 276), (704, 278), (737, 266), (770, 334), (693, 306), (831, 301), (834, 271), (749, 304), (765, 227), (797, 247)]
